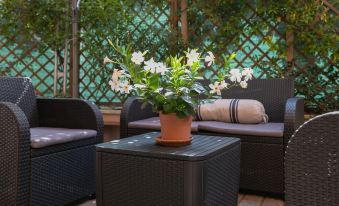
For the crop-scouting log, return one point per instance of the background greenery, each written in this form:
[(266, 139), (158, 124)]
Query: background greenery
[(255, 29)]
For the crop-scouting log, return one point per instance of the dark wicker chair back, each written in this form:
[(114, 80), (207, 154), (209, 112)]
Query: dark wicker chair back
[(273, 93), (311, 163), (20, 92)]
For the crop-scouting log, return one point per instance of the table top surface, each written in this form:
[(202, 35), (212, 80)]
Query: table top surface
[(201, 148)]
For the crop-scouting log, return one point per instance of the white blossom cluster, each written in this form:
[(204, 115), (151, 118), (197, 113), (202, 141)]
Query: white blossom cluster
[(120, 79), (235, 76), (119, 82)]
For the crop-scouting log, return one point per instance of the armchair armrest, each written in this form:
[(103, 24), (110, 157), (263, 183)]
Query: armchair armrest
[(70, 113), (15, 171), (132, 111), (293, 117)]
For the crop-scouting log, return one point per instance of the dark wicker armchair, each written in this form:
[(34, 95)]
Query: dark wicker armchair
[(312, 163), (262, 157), (47, 154)]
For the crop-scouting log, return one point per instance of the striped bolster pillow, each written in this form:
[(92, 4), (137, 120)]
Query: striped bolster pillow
[(245, 111)]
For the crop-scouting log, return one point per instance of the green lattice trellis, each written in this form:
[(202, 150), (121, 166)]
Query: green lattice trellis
[(317, 76), (146, 31), (150, 27), (26, 60), (251, 47)]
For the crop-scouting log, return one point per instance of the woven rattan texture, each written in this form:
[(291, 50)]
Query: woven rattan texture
[(201, 147), (63, 177), (136, 171), (54, 175), (272, 93), (293, 118), (131, 180), (261, 161), (262, 167), (311, 163), (222, 180), (131, 112), (261, 157), (20, 92), (70, 113), (15, 156)]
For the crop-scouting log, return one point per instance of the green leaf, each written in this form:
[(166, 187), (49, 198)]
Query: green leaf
[(187, 99), (167, 108), (154, 81), (185, 90), (197, 87)]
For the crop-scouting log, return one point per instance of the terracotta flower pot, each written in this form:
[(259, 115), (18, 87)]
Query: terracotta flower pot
[(175, 131)]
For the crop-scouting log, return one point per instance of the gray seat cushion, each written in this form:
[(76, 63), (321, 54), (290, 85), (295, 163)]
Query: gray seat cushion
[(154, 123), (266, 130), (47, 136)]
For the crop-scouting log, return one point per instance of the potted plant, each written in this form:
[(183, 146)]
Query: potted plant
[(172, 87)]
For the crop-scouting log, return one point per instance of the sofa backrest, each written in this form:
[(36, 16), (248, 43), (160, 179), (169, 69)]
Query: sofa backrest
[(20, 91), (273, 93)]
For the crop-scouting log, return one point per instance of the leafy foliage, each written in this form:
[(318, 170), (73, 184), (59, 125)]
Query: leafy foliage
[(47, 24), (173, 86), (315, 40)]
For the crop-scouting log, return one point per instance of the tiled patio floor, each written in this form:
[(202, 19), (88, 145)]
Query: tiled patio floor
[(244, 200)]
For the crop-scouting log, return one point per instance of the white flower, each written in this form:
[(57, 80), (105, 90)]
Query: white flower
[(235, 75), (223, 84), (161, 68), (215, 88), (137, 58), (115, 85), (107, 60), (209, 59), (192, 57), (117, 73), (247, 73), (151, 65), (125, 87), (243, 84)]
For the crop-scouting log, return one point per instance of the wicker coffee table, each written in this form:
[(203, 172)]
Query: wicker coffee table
[(136, 171)]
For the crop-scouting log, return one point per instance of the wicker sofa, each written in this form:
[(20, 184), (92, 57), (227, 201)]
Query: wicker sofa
[(47, 153), (311, 163), (262, 155)]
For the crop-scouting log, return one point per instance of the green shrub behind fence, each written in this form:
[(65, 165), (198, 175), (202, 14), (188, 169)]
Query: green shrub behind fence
[(256, 33)]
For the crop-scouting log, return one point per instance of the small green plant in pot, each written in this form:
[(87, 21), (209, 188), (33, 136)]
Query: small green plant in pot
[(173, 88)]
